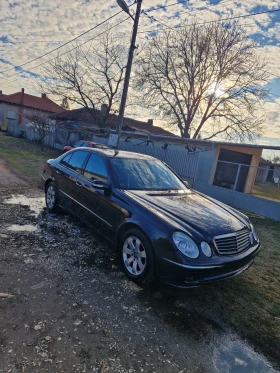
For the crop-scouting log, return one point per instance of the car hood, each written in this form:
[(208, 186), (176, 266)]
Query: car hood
[(191, 212)]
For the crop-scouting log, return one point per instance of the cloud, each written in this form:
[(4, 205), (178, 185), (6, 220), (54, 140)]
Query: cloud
[(30, 28)]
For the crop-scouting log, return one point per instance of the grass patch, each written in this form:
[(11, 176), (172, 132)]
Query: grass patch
[(25, 156), (250, 303), (271, 191)]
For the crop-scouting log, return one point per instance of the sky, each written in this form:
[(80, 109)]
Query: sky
[(31, 28)]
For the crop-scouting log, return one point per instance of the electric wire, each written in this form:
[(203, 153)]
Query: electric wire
[(68, 42), (212, 21), (62, 54)]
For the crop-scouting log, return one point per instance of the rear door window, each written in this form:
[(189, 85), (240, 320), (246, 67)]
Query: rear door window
[(95, 168), (77, 160)]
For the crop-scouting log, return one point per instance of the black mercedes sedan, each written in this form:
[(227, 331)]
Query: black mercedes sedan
[(161, 227)]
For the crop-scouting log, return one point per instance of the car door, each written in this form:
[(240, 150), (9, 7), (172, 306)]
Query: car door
[(102, 211), (67, 179)]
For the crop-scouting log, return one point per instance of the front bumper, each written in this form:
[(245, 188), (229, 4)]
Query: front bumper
[(179, 274)]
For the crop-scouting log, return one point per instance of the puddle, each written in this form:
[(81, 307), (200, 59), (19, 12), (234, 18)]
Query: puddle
[(238, 357), (22, 228), (35, 204)]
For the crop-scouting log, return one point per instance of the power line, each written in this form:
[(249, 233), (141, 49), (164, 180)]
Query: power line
[(170, 27), (51, 59), (117, 37), (220, 20), (152, 18), (68, 42)]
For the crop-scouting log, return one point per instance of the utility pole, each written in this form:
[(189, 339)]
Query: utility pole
[(128, 70)]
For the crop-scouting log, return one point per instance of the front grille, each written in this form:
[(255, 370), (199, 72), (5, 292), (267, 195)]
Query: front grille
[(233, 243)]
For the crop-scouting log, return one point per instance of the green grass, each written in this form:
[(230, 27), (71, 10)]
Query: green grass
[(250, 303), (25, 156), (271, 191)]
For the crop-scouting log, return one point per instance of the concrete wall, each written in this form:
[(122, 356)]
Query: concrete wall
[(9, 114)]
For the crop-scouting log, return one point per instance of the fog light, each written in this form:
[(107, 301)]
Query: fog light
[(206, 249)]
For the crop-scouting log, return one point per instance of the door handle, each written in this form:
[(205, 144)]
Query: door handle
[(79, 185)]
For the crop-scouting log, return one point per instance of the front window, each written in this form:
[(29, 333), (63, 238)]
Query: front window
[(145, 174)]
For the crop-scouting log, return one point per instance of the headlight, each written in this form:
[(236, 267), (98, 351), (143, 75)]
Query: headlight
[(206, 249), (186, 245), (254, 233)]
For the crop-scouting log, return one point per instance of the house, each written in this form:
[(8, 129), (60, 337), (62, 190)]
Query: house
[(215, 163), (16, 108), (85, 119), (268, 172), (223, 164)]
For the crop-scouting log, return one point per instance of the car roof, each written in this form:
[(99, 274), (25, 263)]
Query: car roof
[(91, 142), (111, 153)]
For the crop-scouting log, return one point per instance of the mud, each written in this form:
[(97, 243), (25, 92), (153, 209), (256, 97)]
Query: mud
[(75, 311)]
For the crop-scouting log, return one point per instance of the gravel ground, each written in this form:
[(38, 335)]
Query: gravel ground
[(66, 306)]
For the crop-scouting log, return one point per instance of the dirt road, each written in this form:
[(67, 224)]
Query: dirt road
[(66, 306)]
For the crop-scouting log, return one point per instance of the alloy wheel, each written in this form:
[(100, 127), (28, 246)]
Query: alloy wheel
[(50, 197), (134, 256)]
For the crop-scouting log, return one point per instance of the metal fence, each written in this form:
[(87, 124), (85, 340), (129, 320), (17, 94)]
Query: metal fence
[(253, 189), (184, 163), (262, 181)]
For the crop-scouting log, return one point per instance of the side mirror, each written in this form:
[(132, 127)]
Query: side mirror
[(103, 185), (186, 183)]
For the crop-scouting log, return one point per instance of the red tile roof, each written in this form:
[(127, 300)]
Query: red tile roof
[(41, 103), (86, 117)]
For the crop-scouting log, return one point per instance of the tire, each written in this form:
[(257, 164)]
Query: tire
[(137, 256), (51, 197)]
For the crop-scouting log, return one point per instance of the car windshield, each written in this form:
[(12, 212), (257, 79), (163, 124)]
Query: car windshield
[(144, 174)]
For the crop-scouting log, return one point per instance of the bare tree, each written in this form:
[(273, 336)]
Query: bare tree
[(65, 104), (42, 125), (89, 76), (204, 80)]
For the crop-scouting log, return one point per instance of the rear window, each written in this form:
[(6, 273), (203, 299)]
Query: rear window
[(65, 160), (76, 160), (95, 167)]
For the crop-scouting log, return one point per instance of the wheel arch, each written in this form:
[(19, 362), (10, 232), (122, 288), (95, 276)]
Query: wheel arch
[(47, 183), (131, 225)]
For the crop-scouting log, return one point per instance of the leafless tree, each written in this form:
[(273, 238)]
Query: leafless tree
[(89, 76), (42, 125), (204, 80)]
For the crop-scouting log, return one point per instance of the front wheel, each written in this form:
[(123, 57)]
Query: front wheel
[(51, 197), (137, 256)]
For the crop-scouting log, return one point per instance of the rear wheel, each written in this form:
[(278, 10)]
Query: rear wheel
[(137, 256), (51, 197)]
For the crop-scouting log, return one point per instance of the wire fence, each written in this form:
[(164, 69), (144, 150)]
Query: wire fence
[(262, 181)]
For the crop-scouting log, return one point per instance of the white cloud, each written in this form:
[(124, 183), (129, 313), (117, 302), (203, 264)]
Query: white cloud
[(27, 23)]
